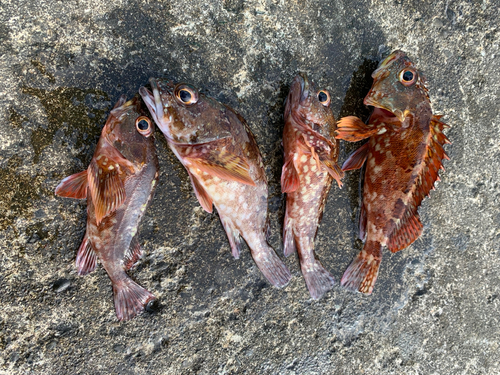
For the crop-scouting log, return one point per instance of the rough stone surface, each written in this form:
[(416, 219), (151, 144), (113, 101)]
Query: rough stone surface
[(63, 64)]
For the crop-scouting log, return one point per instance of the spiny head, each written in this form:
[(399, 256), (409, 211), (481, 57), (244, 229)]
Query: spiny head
[(398, 86), (130, 129), (310, 106), (182, 113)]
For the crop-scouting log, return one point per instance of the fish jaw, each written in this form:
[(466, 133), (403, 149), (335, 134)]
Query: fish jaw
[(156, 107), (390, 92)]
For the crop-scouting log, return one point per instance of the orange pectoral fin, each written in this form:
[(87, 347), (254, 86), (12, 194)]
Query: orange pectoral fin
[(217, 159), (356, 159), (352, 129), (106, 174), (289, 177), (202, 195), (74, 186)]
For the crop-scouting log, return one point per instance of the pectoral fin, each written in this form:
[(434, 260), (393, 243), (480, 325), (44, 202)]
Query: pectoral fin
[(74, 186), (106, 174), (217, 158), (352, 129)]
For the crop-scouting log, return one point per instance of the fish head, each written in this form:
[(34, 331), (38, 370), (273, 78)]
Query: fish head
[(310, 106), (182, 113), (398, 87), (130, 130)]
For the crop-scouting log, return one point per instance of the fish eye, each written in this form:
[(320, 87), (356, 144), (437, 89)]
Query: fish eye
[(143, 126), (324, 97), (185, 94), (407, 77)]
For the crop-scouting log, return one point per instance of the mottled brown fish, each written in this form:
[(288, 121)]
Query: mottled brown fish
[(118, 185), (403, 156), (309, 167), (224, 164)]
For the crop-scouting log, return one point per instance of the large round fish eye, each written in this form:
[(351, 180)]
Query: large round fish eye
[(186, 94), (408, 77), (143, 125), (324, 97)]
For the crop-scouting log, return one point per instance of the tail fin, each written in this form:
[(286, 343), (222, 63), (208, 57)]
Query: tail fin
[(130, 298), (362, 272), (318, 279), (271, 266)]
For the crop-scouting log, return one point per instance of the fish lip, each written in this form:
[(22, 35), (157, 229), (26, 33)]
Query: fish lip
[(155, 106), (369, 100), (304, 86)]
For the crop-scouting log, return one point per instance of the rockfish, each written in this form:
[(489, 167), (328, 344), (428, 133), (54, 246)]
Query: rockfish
[(224, 164), (310, 165), (403, 156), (118, 185)]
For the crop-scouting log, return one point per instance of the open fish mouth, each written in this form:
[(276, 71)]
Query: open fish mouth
[(373, 100), (155, 105)]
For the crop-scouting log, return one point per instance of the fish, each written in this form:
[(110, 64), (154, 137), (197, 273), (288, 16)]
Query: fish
[(224, 164), (118, 185), (402, 159), (310, 165)]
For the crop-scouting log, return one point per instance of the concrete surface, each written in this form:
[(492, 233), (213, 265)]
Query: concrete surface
[(63, 64)]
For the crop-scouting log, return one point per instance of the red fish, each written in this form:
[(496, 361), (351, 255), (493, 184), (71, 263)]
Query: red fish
[(118, 185), (310, 166), (224, 164), (403, 156)]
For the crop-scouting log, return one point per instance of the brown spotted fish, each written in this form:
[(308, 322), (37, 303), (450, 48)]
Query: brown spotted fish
[(403, 156), (118, 185), (224, 164), (310, 166)]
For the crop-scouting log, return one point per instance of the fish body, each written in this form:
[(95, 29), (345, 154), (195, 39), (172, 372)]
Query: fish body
[(224, 164), (402, 156), (118, 186), (310, 165)]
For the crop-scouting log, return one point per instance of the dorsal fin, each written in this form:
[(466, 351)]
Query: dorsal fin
[(409, 227)]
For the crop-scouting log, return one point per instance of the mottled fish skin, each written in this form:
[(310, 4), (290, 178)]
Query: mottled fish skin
[(118, 185), (310, 166), (403, 156), (224, 164)]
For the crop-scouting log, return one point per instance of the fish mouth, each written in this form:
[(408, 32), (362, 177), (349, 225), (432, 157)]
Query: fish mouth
[(155, 105), (304, 86), (388, 112)]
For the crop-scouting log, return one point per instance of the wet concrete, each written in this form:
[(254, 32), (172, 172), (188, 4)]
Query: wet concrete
[(64, 65)]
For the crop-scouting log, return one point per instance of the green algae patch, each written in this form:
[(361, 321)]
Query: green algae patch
[(71, 109), (18, 192)]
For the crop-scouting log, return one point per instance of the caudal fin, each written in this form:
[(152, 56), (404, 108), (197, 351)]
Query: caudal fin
[(362, 272), (130, 298), (271, 266), (318, 279)]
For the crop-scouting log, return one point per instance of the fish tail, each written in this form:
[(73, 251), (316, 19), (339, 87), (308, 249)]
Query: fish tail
[(130, 298), (271, 266), (318, 279), (362, 272)]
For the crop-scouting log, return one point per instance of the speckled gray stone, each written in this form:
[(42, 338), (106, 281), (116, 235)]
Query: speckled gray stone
[(63, 64)]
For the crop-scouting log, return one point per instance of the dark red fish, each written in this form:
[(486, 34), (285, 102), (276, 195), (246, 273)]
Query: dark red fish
[(403, 156), (118, 185), (224, 164), (310, 166)]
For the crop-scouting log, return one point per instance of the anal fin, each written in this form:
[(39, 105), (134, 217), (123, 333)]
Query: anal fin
[(233, 235), (409, 229), (86, 258), (288, 239), (133, 254)]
